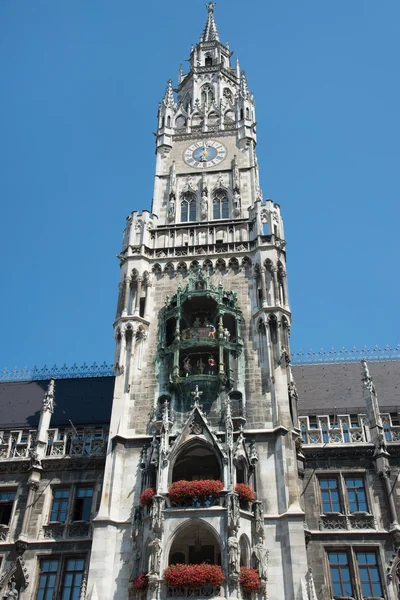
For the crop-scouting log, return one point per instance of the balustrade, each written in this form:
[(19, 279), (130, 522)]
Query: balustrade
[(78, 529), (16, 444), (328, 429), (86, 442)]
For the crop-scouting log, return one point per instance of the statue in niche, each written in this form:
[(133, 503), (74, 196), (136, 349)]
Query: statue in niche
[(227, 334), (233, 555), (200, 366), (171, 208), (261, 555), (155, 556), (259, 518), (204, 205), (211, 365), (236, 203), (187, 366)]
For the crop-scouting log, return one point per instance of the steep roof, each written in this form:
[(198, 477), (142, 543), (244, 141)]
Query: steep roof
[(83, 401), (324, 387)]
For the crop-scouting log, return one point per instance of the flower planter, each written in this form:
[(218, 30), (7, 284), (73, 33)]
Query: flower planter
[(147, 496), (200, 493), (140, 583), (249, 580), (245, 492), (194, 577)]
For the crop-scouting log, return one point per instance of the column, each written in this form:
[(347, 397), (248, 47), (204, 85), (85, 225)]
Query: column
[(126, 297), (263, 287), (276, 285), (138, 293)]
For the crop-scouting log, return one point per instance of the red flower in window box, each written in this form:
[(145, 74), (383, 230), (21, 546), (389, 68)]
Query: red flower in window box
[(181, 491), (146, 496), (141, 582), (245, 492), (249, 579), (194, 576)]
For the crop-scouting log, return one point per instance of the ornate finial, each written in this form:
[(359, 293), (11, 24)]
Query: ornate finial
[(48, 400), (169, 99), (210, 33), (243, 88), (196, 396)]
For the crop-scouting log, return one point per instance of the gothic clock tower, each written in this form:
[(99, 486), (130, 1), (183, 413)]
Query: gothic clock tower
[(201, 489)]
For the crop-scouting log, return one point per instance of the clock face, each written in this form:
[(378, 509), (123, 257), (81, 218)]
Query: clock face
[(207, 153)]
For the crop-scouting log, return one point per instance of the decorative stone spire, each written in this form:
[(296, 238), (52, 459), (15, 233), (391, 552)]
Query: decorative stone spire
[(243, 88), (210, 33), (48, 400), (169, 100)]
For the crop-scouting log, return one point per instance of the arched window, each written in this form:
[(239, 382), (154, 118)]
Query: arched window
[(188, 208), (241, 114), (247, 113), (207, 96), (208, 61), (168, 121), (220, 206), (163, 122)]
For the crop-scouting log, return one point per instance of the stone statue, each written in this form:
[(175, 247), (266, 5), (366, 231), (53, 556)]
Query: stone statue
[(200, 366), (259, 518), (204, 205), (261, 555), (155, 556), (233, 555), (157, 518), (171, 208), (12, 591)]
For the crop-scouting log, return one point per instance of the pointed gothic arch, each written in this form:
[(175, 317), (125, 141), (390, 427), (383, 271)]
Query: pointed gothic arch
[(188, 207), (195, 459), (189, 534), (220, 204)]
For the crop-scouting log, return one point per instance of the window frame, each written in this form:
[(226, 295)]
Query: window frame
[(220, 200), (352, 553), (9, 490), (349, 567), (73, 496), (62, 561), (361, 476), (335, 478), (341, 477)]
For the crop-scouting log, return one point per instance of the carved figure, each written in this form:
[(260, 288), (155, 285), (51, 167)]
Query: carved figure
[(12, 591), (197, 322), (204, 205), (233, 512), (259, 518), (154, 451), (157, 514), (200, 366), (212, 331), (171, 208), (187, 366), (211, 364), (227, 334), (155, 556), (233, 555), (261, 555)]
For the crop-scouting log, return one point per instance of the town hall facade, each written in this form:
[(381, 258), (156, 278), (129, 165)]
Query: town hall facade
[(208, 465)]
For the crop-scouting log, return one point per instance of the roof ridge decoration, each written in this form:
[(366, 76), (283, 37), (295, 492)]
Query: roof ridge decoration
[(299, 357), (210, 33), (322, 356)]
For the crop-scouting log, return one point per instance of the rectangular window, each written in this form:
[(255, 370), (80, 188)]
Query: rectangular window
[(47, 579), (83, 504), (369, 574), (356, 494), (59, 506), (340, 574), (71, 584), (6, 505), (330, 495)]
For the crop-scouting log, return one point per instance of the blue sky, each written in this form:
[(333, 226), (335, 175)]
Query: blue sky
[(80, 84)]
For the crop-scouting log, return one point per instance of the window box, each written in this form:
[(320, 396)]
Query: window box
[(194, 577), (146, 497), (249, 580), (198, 493)]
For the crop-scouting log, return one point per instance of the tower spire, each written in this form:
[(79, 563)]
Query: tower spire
[(210, 33), (169, 100)]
